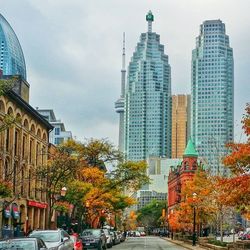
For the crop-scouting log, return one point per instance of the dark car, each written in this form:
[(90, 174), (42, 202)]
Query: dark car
[(94, 239), (23, 244)]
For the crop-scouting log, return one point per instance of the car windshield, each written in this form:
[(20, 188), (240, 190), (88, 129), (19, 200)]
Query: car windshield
[(91, 232), (17, 245), (46, 236)]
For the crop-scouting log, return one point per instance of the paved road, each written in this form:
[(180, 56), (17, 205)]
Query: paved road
[(146, 243)]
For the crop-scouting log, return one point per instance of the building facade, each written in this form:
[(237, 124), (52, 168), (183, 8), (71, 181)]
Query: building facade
[(23, 148), (181, 173), (144, 197), (59, 134), (212, 104), (11, 55), (158, 170), (148, 99), (23, 145), (180, 124)]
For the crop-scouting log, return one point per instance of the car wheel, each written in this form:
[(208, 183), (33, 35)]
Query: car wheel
[(100, 246)]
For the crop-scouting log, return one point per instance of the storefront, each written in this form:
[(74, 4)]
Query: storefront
[(36, 215)]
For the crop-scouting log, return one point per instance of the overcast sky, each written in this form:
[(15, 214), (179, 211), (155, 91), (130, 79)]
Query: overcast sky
[(73, 52)]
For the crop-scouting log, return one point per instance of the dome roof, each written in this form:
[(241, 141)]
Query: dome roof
[(11, 55)]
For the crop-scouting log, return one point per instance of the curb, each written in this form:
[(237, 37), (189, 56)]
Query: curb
[(180, 244)]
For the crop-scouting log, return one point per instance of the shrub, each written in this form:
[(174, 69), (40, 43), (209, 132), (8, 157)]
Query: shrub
[(217, 243)]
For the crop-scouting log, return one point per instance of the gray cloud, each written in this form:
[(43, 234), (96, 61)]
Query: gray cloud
[(73, 52)]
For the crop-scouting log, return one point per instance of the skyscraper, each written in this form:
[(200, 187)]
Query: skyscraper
[(11, 55), (212, 94), (148, 99), (119, 104), (180, 124)]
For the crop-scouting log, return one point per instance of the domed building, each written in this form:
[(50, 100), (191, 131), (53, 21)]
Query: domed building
[(23, 146), (11, 55)]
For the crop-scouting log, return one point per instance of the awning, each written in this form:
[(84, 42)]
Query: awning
[(15, 211), (6, 211)]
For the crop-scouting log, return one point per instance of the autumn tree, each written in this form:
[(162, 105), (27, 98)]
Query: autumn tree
[(59, 170), (237, 187), (81, 168), (203, 186)]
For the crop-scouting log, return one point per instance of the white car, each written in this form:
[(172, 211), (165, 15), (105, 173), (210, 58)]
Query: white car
[(54, 239), (109, 237)]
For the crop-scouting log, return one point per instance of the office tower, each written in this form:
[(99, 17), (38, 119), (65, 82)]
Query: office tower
[(180, 124), (212, 94), (11, 55), (119, 104), (148, 99)]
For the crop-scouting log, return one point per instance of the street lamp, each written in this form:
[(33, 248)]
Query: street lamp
[(194, 222), (63, 191), (87, 204)]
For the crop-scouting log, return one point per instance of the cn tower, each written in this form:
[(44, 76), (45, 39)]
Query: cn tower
[(119, 104)]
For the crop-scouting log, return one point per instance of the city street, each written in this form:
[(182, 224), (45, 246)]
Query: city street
[(150, 243)]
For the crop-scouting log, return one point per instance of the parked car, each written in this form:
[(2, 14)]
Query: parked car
[(54, 239), (122, 236), (23, 244), (77, 242), (142, 233), (116, 239), (109, 237), (245, 236), (94, 238), (137, 234)]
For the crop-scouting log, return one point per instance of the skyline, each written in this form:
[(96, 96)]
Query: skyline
[(99, 63)]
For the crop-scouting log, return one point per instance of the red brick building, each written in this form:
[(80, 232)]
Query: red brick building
[(180, 174)]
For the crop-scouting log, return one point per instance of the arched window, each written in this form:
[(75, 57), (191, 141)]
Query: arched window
[(2, 107), (26, 124)]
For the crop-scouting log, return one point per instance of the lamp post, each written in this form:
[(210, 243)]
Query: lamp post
[(168, 225), (87, 204), (63, 192), (194, 221), (61, 217)]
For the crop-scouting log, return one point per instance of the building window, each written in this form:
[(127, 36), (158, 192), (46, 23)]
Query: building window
[(57, 131), (58, 140)]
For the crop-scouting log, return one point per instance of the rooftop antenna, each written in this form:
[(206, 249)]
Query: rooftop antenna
[(150, 19)]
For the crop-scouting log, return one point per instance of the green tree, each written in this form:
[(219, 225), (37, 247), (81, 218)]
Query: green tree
[(150, 215)]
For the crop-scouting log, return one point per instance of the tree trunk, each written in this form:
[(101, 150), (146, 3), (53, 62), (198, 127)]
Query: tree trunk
[(221, 226)]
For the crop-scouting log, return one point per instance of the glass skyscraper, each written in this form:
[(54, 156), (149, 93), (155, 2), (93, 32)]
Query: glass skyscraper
[(212, 94), (11, 54), (148, 99)]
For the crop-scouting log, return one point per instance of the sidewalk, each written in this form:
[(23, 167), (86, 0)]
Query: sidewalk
[(183, 244)]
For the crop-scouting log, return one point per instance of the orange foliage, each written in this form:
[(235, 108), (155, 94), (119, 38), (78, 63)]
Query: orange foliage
[(204, 187), (235, 192), (93, 175), (239, 160), (236, 189)]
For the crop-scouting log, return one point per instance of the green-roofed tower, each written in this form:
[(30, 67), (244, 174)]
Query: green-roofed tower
[(190, 150)]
